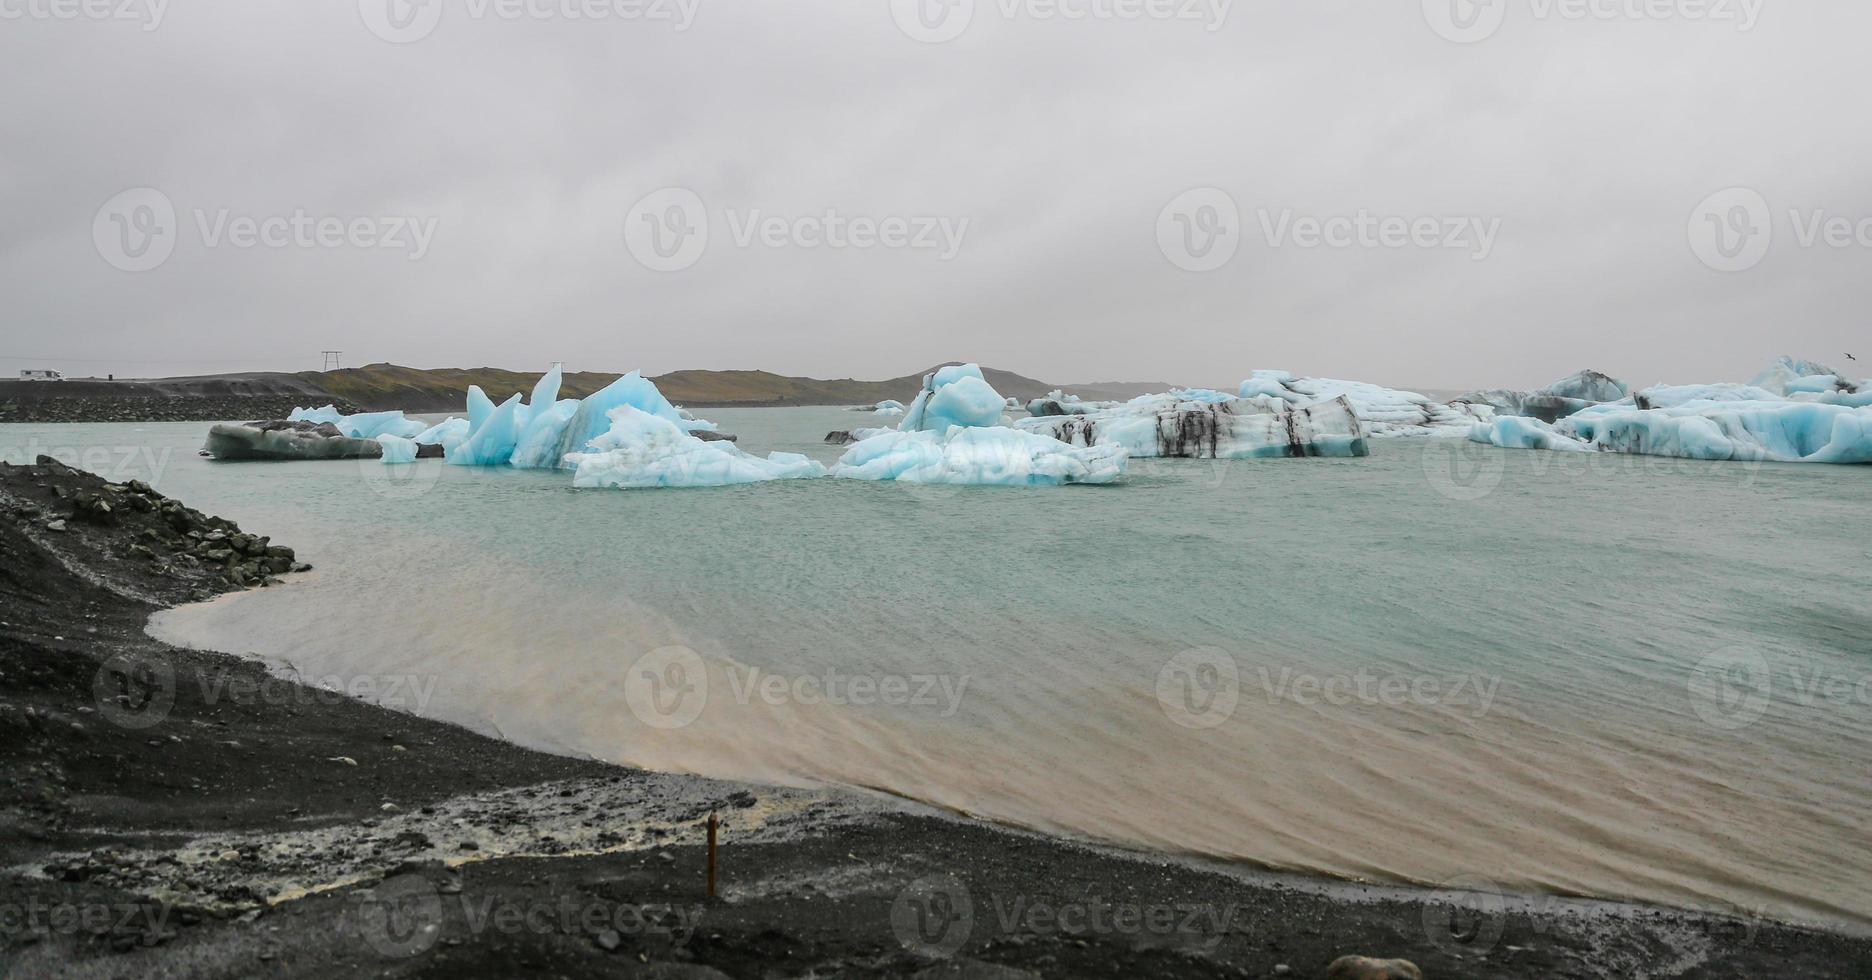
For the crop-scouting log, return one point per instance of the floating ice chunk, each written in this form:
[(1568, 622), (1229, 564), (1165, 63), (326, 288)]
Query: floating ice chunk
[(1555, 401), (1523, 432), (397, 449), (329, 413), (1205, 424), (978, 455), (369, 425), (374, 424), (889, 407), (1785, 373), (645, 450), (538, 448), (492, 442), (593, 417), (1758, 430), (1058, 402), (480, 406), (1671, 396), (448, 434), (954, 395), (1383, 412), (277, 440)]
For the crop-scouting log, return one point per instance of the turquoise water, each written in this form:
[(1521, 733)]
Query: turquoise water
[(1633, 678)]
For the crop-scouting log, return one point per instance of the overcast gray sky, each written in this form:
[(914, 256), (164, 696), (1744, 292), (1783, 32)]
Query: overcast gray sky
[(493, 167)]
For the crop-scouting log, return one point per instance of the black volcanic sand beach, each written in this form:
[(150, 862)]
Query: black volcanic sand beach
[(178, 813)]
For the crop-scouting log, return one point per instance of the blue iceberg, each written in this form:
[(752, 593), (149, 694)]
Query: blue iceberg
[(952, 434), (1795, 412), (645, 450)]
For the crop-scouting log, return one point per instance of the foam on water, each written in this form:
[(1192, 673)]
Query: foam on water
[(1590, 592)]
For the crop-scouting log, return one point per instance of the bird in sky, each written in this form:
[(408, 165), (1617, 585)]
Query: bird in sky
[(1851, 358)]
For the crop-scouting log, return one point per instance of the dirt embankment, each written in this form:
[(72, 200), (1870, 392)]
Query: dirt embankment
[(187, 813)]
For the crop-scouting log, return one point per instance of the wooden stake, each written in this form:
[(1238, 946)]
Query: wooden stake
[(712, 824)]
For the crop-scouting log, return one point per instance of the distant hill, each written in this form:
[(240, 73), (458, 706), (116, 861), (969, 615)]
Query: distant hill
[(380, 387), (384, 387)]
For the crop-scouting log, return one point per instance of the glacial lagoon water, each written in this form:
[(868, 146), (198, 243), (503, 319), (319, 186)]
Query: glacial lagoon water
[(1632, 678)]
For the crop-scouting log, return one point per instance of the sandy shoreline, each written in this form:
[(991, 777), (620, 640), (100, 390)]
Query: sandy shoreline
[(187, 811)]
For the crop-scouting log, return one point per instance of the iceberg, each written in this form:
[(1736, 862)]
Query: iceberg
[(329, 413), (645, 450), (888, 407), (1800, 380), (281, 440), (373, 424), (492, 442), (1057, 402), (978, 455), (1783, 432), (1555, 401), (592, 418), (1794, 412), (956, 395), (1383, 412), (397, 449), (368, 425), (952, 433), (447, 433), (1200, 423)]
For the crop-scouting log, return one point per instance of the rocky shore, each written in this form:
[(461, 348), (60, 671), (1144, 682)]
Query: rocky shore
[(189, 813)]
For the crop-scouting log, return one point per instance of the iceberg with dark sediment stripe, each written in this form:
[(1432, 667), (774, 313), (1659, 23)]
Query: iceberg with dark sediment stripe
[(1795, 412), (1555, 401), (1200, 423), (1382, 412)]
